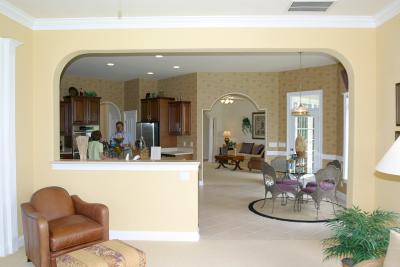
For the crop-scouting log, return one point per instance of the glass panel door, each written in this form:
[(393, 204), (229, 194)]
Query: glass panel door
[(310, 127)]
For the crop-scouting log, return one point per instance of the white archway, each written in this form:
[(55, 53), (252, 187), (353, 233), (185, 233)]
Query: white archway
[(109, 115)]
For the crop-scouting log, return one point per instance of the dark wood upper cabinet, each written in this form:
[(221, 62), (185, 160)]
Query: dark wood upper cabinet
[(93, 110), (85, 110), (78, 107), (151, 109), (179, 122)]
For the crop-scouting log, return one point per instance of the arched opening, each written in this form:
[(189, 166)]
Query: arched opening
[(206, 99), (234, 120)]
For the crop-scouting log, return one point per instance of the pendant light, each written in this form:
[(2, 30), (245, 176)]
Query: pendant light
[(300, 110)]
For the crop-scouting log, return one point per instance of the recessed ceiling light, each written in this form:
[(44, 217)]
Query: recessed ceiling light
[(159, 56), (150, 73), (176, 67), (110, 64)]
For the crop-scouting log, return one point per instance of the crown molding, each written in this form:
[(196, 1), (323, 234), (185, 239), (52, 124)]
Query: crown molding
[(288, 21), (16, 14), (387, 13), (284, 21)]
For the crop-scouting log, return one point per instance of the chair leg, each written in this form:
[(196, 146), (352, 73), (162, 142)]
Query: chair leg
[(265, 197), (28, 260)]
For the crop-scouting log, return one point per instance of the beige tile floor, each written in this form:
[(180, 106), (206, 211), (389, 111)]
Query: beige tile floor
[(231, 235), (224, 213)]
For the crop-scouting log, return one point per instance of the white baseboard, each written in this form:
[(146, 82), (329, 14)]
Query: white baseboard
[(21, 241), (155, 236), (149, 236)]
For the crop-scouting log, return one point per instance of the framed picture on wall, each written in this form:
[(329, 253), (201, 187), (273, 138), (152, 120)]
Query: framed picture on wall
[(398, 104), (258, 131), (396, 135)]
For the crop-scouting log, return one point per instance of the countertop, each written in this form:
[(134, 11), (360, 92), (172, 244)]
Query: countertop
[(177, 151)]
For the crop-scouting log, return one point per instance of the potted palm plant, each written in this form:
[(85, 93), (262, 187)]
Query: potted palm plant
[(360, 238)]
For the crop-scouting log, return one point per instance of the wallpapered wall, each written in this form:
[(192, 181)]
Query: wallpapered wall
[(184, 87), (324, 78), (261, 87), (131, 95), (135, 90), (108, 90)]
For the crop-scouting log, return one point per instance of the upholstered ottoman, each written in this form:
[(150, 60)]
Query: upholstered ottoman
[(112, 253)]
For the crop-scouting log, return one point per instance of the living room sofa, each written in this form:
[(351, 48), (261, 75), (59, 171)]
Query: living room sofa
[(248, 151)]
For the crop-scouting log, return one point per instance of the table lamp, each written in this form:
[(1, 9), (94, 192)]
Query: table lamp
[(390, 162), (227, 135)]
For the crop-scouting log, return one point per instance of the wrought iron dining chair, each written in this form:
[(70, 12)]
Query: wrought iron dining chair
[(327, 180), (277, 187)]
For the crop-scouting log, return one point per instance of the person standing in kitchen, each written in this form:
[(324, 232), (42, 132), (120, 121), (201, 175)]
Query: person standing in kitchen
[(127, 139), (95, 147)]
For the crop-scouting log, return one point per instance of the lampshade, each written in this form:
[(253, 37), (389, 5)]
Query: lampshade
[(227, 134), (300, 110), (390, 163)]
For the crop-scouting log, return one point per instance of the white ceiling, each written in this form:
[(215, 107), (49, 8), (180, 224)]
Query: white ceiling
[(136, 66), (134, 8)]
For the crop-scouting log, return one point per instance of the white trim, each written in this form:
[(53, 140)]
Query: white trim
[(332, 157), (77, 165), (16, 14), (21, 241), (285, 21), (268, 21), (276, 153), (155, 236), (8, 159), (387, 13)]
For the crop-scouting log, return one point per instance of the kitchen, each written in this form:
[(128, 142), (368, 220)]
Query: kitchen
[(163, 109)]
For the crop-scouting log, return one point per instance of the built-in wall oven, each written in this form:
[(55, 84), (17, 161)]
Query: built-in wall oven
[(81, 130)]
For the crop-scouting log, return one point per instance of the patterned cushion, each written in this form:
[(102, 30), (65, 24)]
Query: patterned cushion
[(311, 184), (246, 148), (327, 185), (109, 253), (309, 190), (258, 149)]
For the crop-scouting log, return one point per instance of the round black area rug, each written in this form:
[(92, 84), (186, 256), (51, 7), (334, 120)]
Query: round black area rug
[(285, 210)]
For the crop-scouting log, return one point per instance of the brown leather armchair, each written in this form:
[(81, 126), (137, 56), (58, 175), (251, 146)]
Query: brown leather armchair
[(55, 223)]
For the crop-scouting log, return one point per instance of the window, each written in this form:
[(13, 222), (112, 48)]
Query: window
[(310, 127)]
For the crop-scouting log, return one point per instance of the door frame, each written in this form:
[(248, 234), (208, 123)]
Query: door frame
[(319, 128)]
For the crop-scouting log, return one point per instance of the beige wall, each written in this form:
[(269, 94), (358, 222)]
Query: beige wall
[(324, 78), (388, 69), (24, 106), (184, 87), (131, 95), (109, 91), (357, 52)]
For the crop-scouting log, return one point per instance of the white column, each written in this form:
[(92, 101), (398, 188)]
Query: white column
[(8, 191)]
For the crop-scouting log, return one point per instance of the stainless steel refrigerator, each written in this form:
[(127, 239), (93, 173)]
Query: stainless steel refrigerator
[(150, 132)]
